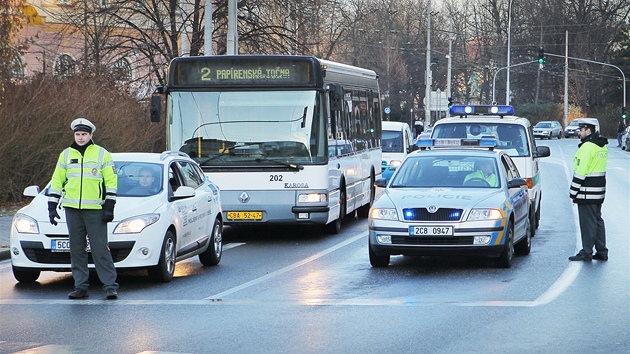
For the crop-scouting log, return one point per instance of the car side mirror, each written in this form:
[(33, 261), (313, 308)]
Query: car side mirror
[(31, 191), (183, 192), (381, 182), (542, 151), (517, 183)]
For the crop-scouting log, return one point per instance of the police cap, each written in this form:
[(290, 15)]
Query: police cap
[(586, 124), (83, 124)]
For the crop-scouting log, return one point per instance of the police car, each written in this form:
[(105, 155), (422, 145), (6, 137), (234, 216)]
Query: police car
[(514, 136), (166, 211), (452, 200)]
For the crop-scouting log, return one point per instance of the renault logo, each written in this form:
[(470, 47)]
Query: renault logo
[(432, 209), (244, 197)]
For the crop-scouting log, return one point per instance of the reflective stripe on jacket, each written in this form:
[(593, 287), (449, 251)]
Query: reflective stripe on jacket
[(87, 179), (589, 174)]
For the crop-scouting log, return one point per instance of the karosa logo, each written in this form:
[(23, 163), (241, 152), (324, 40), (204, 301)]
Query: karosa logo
[(296, 185)]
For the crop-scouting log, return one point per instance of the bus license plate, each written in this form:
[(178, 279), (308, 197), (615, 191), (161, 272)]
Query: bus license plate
[(244, 215), (431, 231), (63, 245)]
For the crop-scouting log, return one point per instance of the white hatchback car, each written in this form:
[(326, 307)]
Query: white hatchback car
[(175, 217)]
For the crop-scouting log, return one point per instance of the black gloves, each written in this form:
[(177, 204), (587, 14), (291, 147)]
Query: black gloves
[(52, 213), (108, 210)]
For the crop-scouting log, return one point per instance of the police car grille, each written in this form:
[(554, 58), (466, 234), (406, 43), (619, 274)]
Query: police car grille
[(432, 241), (442, 214)]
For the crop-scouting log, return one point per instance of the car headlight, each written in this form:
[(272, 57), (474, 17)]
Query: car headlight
[(484, 214), (25, 224), (385, 213), (136, 224), (394, 163)]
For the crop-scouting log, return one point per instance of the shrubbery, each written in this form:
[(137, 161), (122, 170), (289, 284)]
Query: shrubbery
[(36, 120)]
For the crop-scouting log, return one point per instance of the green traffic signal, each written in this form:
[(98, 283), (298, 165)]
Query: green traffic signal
[(541, 55), (623, 113)]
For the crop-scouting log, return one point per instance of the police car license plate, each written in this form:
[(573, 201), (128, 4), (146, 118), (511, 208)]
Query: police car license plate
[(431, 231), (244, 215), (63, 245)]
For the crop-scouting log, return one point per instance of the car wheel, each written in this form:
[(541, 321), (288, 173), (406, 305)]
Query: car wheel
[(377, 261), (524, 246), (212, 256), (165, 268), (505, 259), (25, 276), (335, 226), (532, 222)]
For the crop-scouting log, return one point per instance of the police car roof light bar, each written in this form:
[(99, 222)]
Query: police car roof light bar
[(457, 143), (495, 110)]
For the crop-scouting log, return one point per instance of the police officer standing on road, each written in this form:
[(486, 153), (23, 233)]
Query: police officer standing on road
[(87, 175), (588, 189)]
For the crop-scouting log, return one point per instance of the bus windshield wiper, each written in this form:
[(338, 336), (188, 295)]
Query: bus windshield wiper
[(287, 164), (226, 151)]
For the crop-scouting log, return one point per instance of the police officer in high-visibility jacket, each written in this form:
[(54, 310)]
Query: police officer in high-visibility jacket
[(86, 174), (588, 189)]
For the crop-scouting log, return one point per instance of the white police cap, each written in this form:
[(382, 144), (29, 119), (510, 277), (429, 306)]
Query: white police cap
[(83, 125)]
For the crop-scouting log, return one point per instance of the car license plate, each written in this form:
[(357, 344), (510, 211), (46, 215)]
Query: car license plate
[(431, 231), (63, 245), (244, 215)]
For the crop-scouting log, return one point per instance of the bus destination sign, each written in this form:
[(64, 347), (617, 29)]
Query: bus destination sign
[(216, 71)]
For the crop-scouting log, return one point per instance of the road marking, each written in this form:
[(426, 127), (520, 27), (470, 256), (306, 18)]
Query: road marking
[(286, 269), (232, 245)]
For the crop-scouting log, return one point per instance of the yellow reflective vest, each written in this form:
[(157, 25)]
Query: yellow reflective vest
[(588, 185), (87, 180)]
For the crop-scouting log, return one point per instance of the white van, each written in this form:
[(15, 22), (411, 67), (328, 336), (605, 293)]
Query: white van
[(514, 136), (572, 128), (396, 143)]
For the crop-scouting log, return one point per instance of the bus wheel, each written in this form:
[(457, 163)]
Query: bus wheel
[(364, 211), (335, 226)]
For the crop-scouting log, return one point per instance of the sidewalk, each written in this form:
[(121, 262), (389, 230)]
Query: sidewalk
[(6, 217)]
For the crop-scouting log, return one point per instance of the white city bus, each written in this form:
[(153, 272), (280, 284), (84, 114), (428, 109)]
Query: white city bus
[(288, 139)]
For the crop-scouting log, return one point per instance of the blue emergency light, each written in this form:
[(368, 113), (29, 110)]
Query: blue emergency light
[(486, 110)]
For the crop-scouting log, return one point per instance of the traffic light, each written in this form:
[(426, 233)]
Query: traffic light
[(623, 113), (450, 102), (541, 55)]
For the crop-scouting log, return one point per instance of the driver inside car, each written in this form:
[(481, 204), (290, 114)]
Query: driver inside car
[(485, 172)]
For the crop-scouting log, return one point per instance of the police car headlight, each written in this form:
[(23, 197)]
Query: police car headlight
[(386, 214), (484, 214), (136, 224), (25, 224), (312, 198)]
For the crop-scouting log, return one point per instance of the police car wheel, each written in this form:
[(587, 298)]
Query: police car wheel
[(378, 261), (505, 259), (212, 256), (165, 268), (524, 246), (25, 276)]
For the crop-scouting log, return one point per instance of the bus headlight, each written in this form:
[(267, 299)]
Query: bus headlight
[(386, 214), (312, 198)]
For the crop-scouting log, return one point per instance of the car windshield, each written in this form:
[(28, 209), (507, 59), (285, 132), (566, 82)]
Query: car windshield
[(511, 138), (574, 123), (138, 179), (451, 171), (543, 125)]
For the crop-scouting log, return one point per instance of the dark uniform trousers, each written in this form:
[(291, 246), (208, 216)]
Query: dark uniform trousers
[(82, 222), (592, 228)]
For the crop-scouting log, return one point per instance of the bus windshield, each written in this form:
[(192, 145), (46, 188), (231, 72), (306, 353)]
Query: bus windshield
[(248, 127)]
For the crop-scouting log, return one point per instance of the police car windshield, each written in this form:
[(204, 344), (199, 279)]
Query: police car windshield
[(452, 171), (512, 138)]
